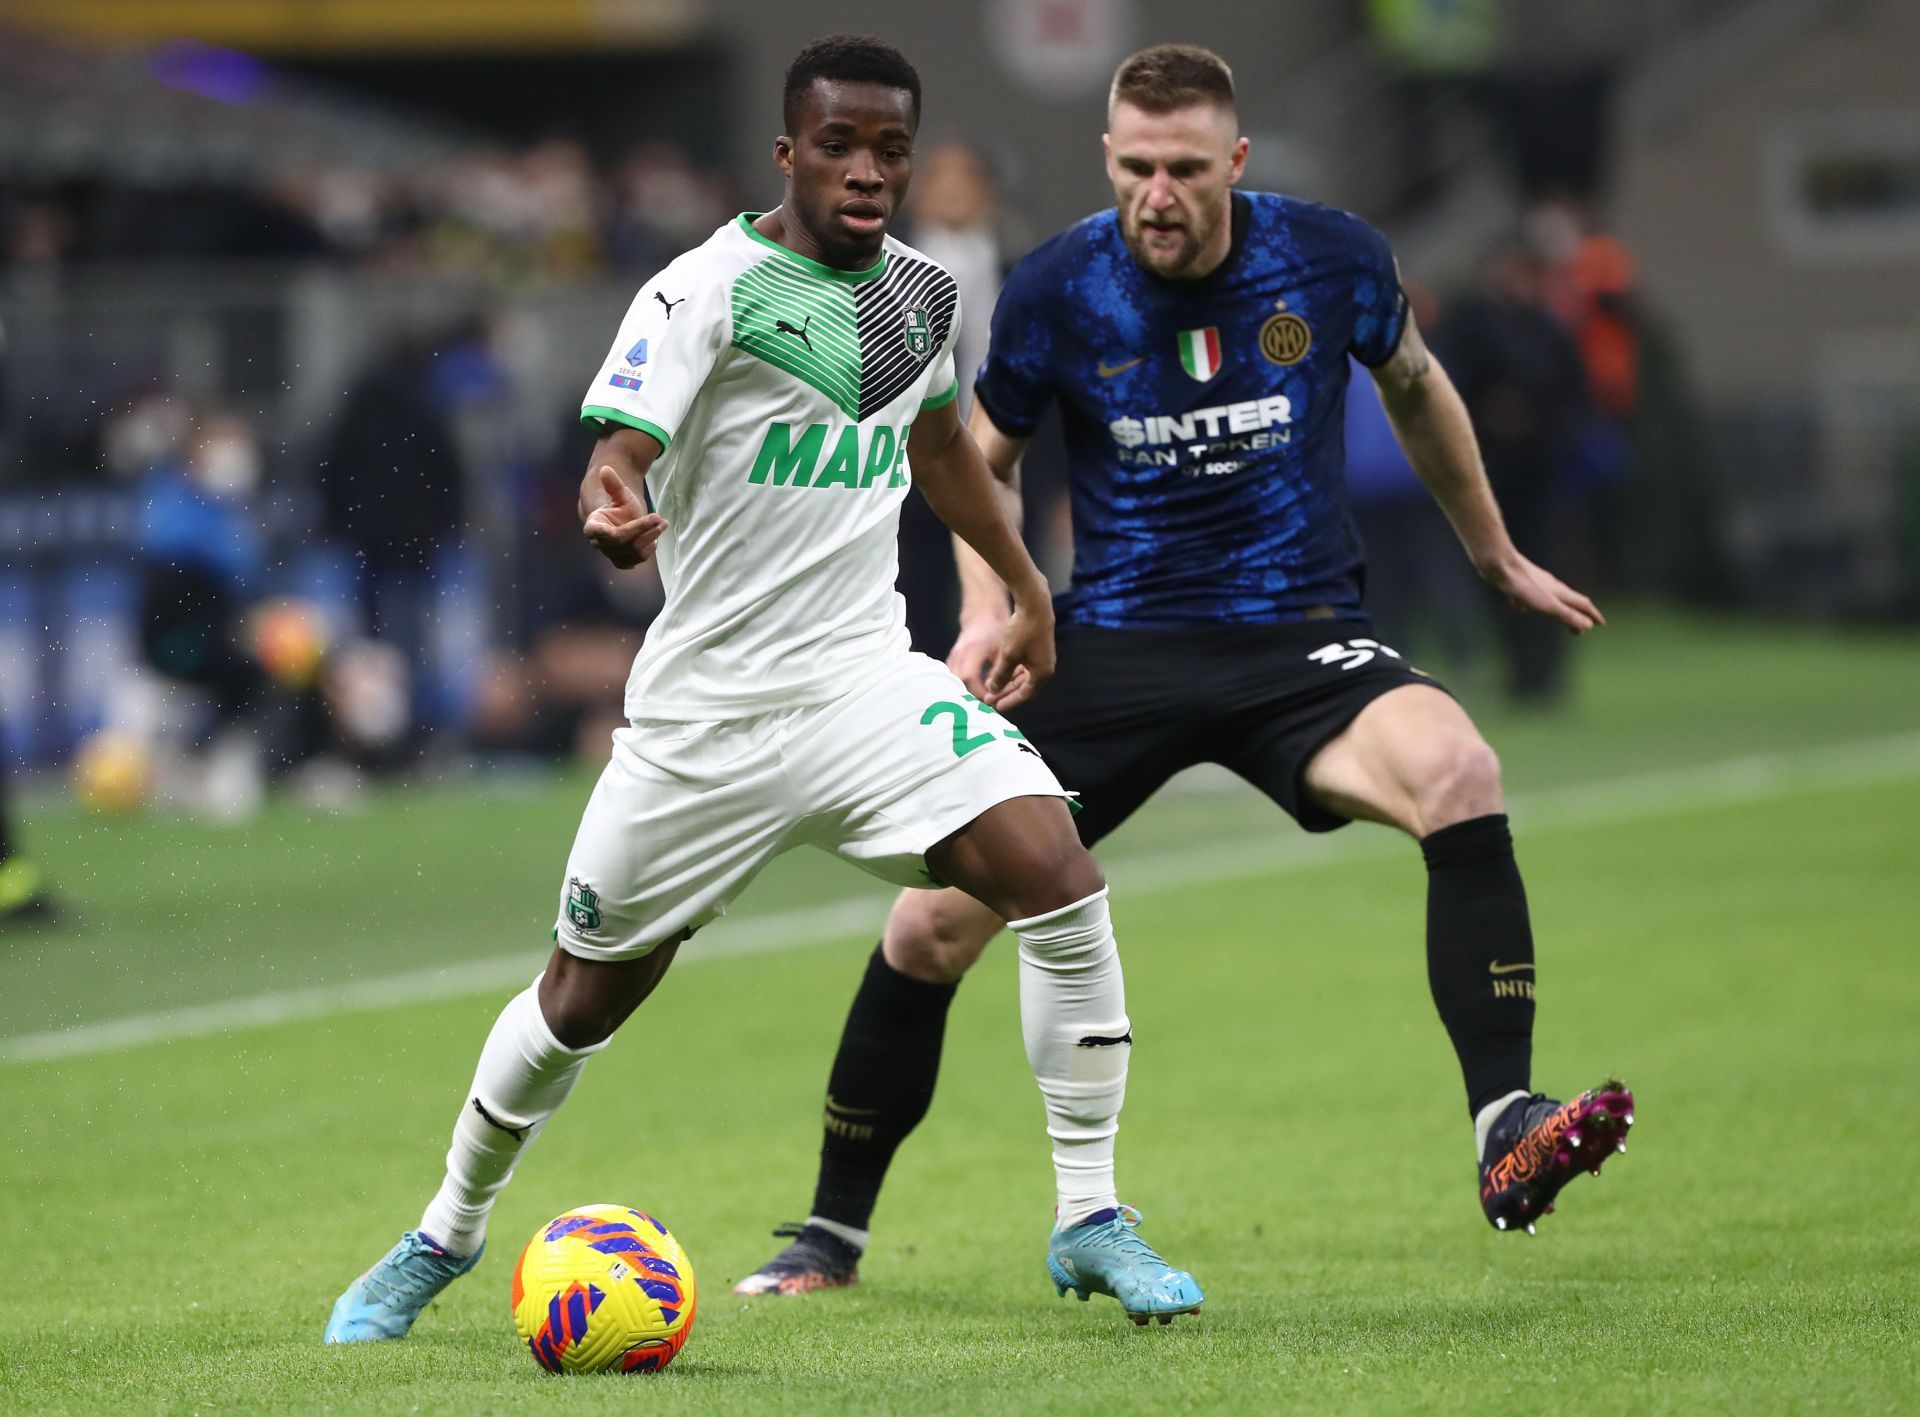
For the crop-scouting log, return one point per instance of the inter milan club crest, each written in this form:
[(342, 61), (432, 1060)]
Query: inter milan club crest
[(919, 332), (1285, 338), (1200, 352), (583, 906)]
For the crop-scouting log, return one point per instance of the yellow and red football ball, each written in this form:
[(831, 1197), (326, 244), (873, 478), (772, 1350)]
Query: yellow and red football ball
[(603, 1288)]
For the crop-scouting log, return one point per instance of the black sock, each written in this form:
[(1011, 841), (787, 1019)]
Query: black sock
[(880, 1087), (1480, 955)]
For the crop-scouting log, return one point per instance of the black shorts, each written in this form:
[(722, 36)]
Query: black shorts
[(1127, 709)]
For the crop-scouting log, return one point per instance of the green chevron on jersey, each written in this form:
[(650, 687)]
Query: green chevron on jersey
[(803, 324), (858, 337)]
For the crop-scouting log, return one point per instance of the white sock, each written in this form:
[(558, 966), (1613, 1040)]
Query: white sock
[(1484, 1119), (525, 1073), (1073, 1013), (856, 1238)]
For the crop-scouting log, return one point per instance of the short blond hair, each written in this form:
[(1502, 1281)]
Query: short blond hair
[(1170, 76)]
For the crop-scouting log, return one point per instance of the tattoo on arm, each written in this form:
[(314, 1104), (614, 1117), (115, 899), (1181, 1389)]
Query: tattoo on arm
[(1411, 360)]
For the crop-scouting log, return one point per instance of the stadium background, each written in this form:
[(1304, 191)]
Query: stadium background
[(265, 249), (256, 209)]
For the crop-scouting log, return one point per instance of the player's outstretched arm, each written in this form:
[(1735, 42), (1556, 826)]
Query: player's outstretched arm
[(984, 609), (1431, 422), (613, 506), (967, 494)]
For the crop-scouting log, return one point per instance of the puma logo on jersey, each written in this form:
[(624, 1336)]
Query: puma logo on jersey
[(782, 327), (669, 303)]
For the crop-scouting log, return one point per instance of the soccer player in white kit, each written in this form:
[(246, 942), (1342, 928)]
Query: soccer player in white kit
[(768, 401)]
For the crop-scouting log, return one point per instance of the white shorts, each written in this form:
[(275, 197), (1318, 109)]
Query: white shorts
[(686, 814)]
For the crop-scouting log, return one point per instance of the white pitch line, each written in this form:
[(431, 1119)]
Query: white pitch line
[(754, 934), (1637, 797)]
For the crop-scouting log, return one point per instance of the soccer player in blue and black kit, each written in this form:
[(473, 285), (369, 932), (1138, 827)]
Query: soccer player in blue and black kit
[(1196, 340)]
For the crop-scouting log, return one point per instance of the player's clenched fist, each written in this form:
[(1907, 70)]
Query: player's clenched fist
[(622, 529)]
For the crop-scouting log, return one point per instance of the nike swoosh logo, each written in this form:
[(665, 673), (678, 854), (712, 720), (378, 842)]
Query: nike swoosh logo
[(1498, 968), (1107, 371), (833, 1106), (1098, 1040)]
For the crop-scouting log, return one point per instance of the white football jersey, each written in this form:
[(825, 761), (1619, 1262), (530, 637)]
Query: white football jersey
[(782, 391)]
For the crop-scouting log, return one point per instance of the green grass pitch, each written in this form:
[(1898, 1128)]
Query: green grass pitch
[(1722, 844)]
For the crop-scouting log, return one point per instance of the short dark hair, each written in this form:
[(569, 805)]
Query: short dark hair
[(1170, 76), (847, 59)]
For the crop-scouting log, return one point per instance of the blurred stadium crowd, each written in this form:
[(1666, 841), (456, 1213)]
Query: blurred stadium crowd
[(288, 454), (489, 212)]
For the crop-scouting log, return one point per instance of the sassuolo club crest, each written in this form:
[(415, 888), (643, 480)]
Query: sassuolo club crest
[(919, 332), (583, 906)]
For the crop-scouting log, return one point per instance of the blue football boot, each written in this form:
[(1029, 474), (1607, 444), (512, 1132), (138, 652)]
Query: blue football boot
[(1104, 1254), (384, 1302)]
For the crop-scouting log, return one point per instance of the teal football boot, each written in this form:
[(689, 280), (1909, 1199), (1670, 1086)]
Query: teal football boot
[(1104, 1254), (384, 1302)]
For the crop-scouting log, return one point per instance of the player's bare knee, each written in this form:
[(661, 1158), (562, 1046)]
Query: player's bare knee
[(578, 1018), (1460, 781), (935, 936), (1082, 876), (1067, 877), (584, 1001)]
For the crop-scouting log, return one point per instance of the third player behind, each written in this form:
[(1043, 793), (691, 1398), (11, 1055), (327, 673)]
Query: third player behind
[(1196, 340)]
